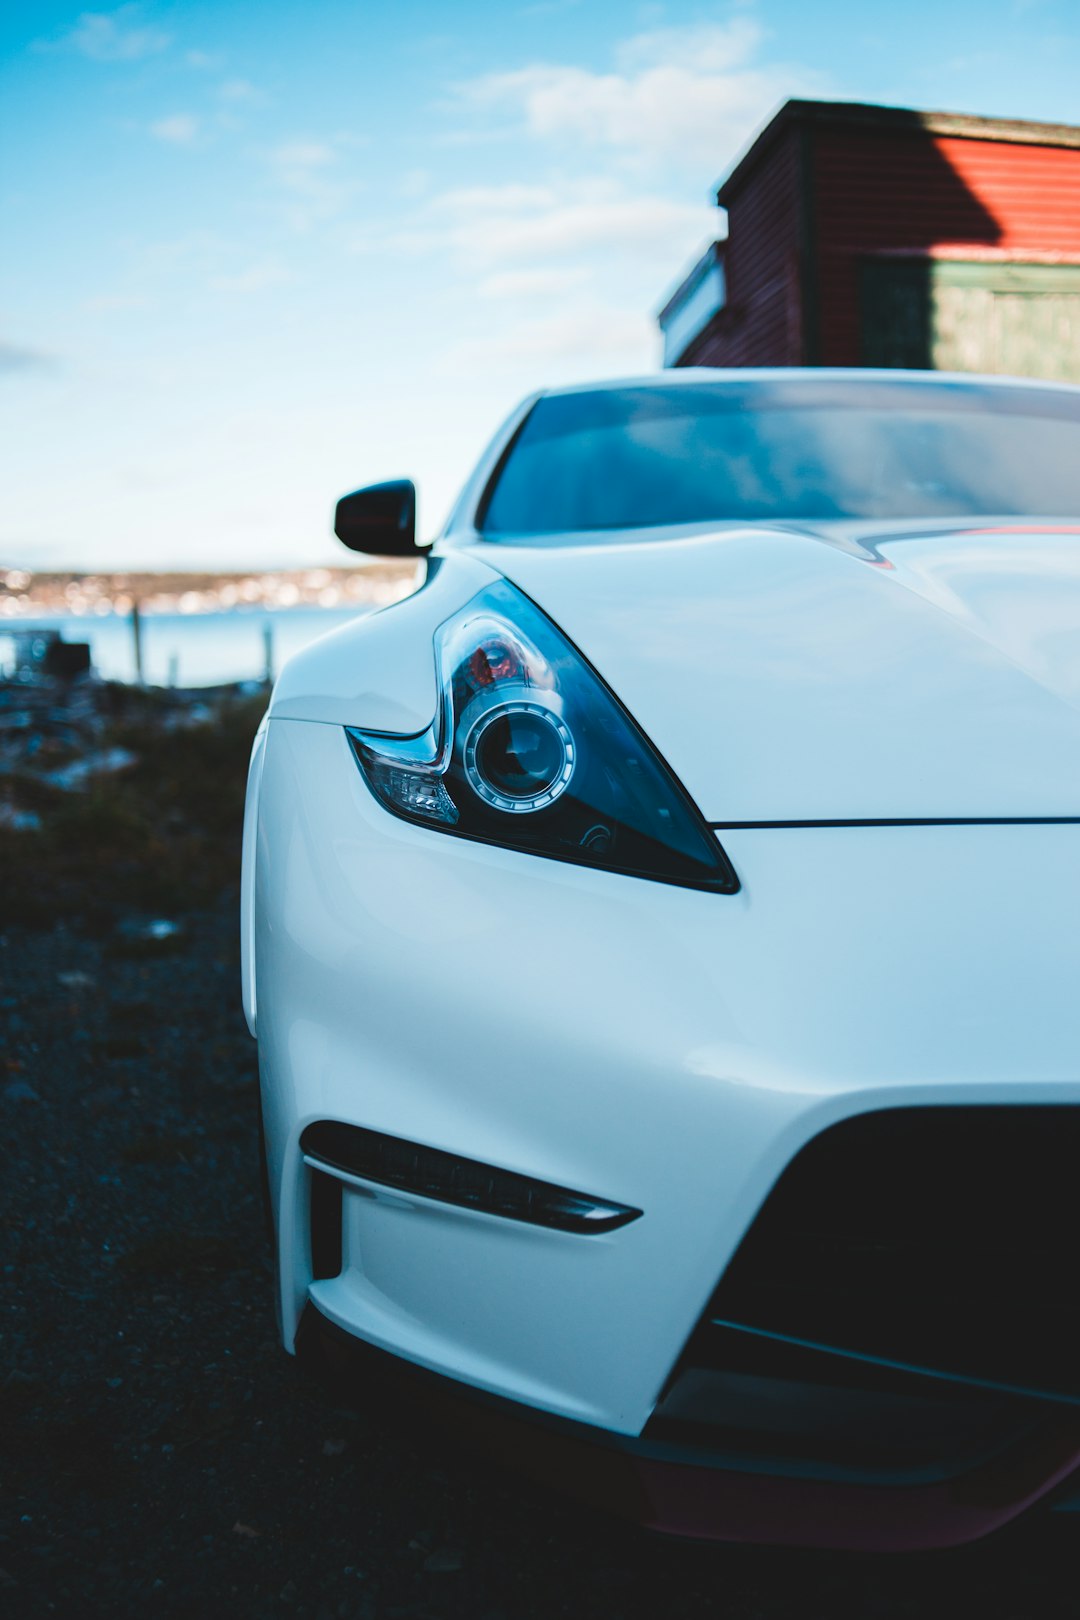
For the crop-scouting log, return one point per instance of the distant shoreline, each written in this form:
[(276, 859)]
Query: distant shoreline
[(26, 595)]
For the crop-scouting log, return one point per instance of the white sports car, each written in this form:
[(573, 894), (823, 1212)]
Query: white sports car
[(661, 932)]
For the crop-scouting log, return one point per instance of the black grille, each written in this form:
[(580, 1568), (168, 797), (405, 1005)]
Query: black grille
[(935, 1238)]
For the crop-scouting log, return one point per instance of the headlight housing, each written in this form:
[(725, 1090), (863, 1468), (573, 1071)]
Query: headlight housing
[(530, 750)]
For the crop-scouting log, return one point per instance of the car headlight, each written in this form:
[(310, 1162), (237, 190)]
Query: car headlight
[(530, 750)]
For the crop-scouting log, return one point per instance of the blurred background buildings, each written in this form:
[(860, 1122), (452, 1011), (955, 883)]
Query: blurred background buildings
[(881, 236)]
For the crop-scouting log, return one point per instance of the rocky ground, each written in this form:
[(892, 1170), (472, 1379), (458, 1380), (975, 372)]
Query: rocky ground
[(160, 1454)]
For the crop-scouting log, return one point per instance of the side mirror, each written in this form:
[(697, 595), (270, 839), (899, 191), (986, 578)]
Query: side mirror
[(380, 519)]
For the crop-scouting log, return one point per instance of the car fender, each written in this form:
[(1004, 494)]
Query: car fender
[(378, 672), (247, 875)]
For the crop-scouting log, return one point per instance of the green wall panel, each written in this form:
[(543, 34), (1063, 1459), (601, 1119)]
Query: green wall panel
[(1022, 319)]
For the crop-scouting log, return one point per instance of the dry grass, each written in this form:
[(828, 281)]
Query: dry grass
[(160, 838)]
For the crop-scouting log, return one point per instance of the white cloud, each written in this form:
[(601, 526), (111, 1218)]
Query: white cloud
[(695, 47), (415, 182), (549, 282), (489, 227), (115, 36), (308, 171), (469, 200), (190, 258), (108, 303), (562, 277), (180, 129), (204, 61), (301, 157), (240, 91), (691, 93), (548, 8), (587, 339), (163, 272), (256, 278)]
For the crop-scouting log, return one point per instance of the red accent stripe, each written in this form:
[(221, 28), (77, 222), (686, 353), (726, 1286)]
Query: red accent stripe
[(720, 1506), (714, 1504)]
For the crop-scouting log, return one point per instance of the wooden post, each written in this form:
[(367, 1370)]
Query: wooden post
[(136, 635)]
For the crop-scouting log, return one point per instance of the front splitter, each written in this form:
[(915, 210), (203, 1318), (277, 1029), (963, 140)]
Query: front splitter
[(691, 1498)]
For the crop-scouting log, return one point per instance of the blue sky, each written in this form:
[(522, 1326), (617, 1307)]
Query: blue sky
[(260, 253)]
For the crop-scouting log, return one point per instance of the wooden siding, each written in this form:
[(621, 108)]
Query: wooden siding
[(762, 322), (1022, 319), (1033, 192), (893, 192)]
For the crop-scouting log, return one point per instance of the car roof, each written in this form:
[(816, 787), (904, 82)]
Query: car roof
[(696, 376)]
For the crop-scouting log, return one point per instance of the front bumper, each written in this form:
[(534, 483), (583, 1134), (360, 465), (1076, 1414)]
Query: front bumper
[(669, 1490), (661, 1048)]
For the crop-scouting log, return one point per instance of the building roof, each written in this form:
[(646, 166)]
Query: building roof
[(698, 297), (863, 115)]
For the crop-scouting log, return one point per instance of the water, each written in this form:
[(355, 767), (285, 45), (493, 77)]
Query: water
[(187, 649)]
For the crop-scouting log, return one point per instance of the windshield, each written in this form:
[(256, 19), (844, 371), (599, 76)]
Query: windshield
[(804, 449)]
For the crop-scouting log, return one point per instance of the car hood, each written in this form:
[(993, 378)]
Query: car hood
[(837, 673)]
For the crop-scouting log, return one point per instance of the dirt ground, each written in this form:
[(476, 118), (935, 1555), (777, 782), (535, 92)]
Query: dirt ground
[(160, 1453)]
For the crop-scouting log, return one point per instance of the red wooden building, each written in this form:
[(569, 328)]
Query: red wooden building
[(862, 235)]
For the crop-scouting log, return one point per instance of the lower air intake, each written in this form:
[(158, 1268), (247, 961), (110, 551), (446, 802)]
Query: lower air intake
[(943, 1239)]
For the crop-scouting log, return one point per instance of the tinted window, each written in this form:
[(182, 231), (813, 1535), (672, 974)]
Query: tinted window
[(804, 449)]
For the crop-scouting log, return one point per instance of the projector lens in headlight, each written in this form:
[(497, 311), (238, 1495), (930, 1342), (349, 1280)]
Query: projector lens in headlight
[(518, 756)]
